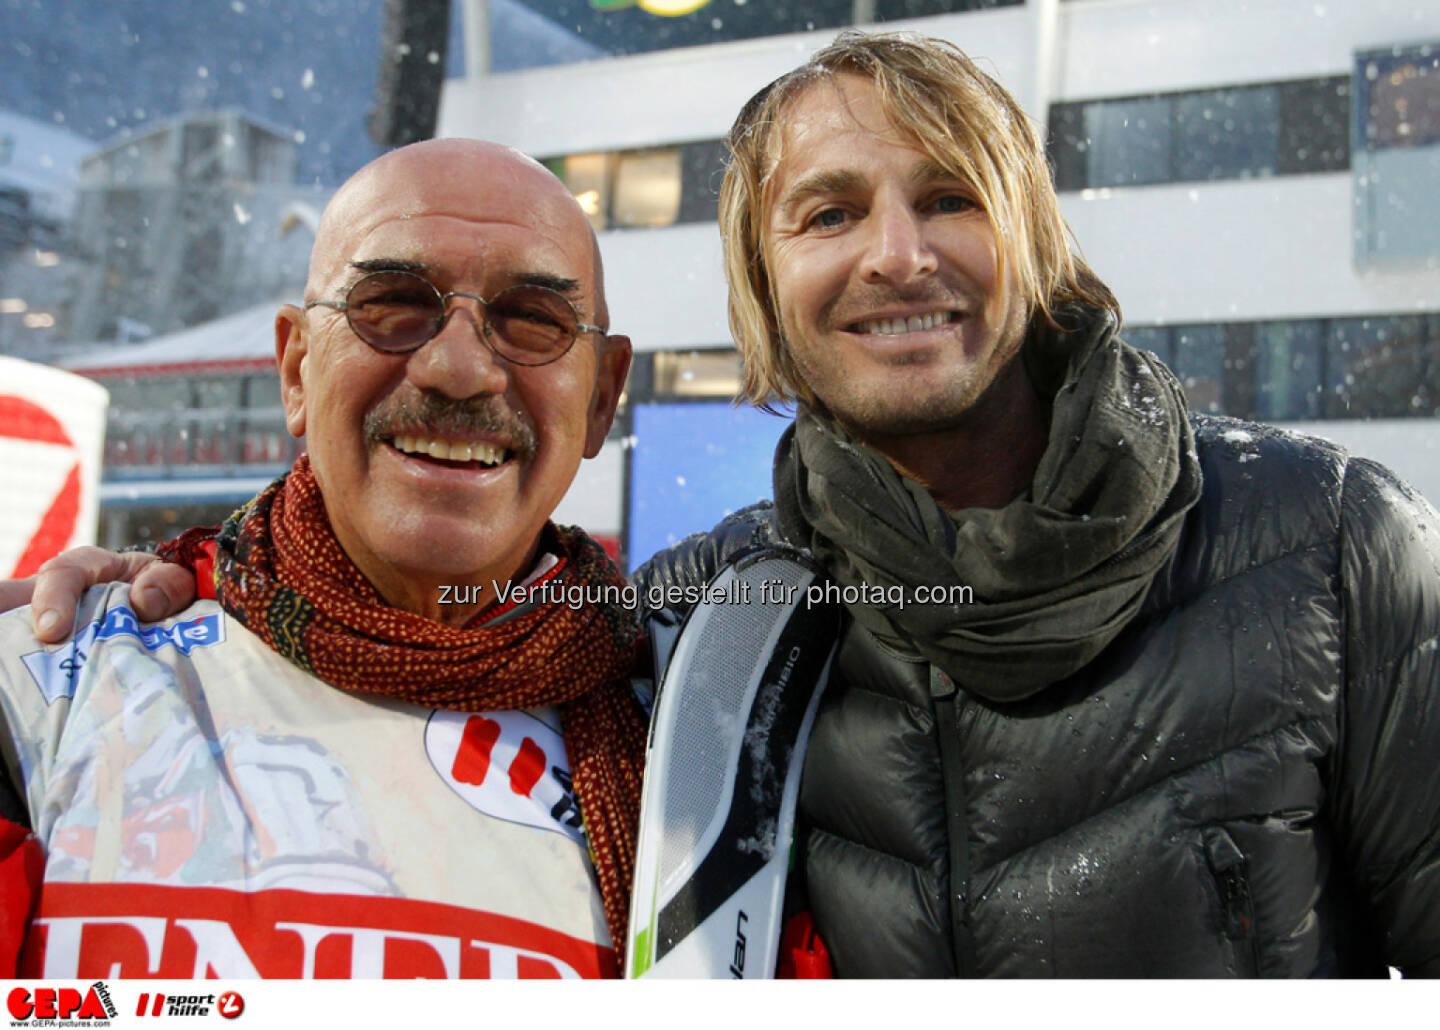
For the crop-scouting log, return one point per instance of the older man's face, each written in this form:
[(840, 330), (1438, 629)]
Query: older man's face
[(441, 465), (884, 267)]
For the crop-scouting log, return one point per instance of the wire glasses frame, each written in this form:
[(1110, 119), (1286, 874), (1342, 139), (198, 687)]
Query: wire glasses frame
[(397, 312)]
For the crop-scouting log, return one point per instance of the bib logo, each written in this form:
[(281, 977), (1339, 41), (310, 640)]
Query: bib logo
[(57, 672), (46, 1004), (510, 765)]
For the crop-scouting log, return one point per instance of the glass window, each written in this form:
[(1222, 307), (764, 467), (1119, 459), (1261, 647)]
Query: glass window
[(1200, 365), (1068, 146), (1127, 142), (701, 172), (1239, 386), (706, 373), (220, 393), (1314, 126), (263, 390), (647, 189), (588, 176), (1398, 154), (149, 396), (1284, 128), (1226, 134), (1379, 367), (1402, 98), (1288, 370)]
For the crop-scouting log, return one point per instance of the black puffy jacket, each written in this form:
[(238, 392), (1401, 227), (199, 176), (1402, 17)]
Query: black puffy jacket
[(1245, 782)]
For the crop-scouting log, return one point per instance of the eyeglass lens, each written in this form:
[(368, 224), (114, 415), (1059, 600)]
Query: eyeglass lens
[(400, 311)]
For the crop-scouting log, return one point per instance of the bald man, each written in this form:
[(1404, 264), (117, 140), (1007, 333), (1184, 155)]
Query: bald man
[(399, 740)]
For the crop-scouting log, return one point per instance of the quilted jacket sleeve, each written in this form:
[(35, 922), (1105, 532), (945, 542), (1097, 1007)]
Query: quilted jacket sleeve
[(1387, 780), (695, 560)]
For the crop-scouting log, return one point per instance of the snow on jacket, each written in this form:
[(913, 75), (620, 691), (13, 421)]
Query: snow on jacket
[(1243, 783)]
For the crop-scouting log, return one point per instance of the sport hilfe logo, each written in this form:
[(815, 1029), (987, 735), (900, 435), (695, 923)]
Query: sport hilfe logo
[(47, 1003), (229, 1004)]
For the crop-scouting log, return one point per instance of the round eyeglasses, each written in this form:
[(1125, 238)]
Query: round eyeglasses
[(398, 312)]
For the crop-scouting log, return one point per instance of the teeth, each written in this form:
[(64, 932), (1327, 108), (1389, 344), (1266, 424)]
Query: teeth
[(452, 450), (487, 453), (899, 326)]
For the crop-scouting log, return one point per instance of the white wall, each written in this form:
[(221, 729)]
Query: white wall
[(666, 287), (593, 500), (1239, 250), (1119, 47)]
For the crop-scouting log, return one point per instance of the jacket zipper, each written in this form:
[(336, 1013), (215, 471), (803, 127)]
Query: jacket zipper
[(945, 704), (1229, 867)]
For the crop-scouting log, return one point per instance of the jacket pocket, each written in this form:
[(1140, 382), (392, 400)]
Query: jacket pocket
[(1229, 868)]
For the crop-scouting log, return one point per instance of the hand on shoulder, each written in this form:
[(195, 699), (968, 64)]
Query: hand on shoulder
[(157, 589)]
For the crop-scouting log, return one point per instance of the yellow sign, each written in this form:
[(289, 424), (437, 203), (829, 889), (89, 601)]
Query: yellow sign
[(664, 8)]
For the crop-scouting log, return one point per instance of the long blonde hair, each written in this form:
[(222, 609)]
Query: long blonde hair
[(965, 121)]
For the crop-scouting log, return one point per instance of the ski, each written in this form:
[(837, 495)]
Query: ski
[(727, 740)]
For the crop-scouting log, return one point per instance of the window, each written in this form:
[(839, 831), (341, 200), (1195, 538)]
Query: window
[(647, 189), (1397, 154), (650, 188), (588, 176), (1129, 142), (1288, 370), (1226, 134), (1381, 366), (1402, 98), (1314, 126), (703, 373), (1200, 366), (1286, 128)]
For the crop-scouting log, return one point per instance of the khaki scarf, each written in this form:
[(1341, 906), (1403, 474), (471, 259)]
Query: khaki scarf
[(1056, 575), (280, 571)]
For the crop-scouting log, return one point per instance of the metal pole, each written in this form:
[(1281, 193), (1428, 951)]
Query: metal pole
[(477, 38), (1047, 60)]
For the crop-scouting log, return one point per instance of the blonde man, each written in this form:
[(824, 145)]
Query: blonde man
[(1125, 692)]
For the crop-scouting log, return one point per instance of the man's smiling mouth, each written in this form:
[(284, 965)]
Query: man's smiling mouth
[(900, 326), (486, 455)]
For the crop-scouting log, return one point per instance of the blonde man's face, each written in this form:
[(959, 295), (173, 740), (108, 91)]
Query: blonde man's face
[(884, 268)]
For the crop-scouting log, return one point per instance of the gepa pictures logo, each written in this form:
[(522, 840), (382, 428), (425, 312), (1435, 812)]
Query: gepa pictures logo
[(45, 1004)]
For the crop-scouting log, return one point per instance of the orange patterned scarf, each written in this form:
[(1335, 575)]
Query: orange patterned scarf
[(279, 570)]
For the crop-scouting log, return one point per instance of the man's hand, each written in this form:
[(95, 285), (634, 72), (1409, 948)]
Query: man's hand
[(157, 589)]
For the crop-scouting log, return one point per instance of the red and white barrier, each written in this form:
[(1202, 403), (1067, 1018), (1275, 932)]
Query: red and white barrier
[(52, 428)]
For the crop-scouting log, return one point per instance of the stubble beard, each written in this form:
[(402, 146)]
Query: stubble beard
[(872, 414)]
